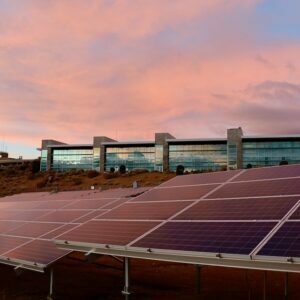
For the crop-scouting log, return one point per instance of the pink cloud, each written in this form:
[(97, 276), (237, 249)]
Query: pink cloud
[(131, 68)]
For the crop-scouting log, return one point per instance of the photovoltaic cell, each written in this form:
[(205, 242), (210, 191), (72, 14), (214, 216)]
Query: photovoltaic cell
[(269, 173), (285, 242), (60, 230), (258, 188), (89, 204), (30, 215), (176, 193), (204, 178), (33, 230), (296, 215), (63, 216), (53, 204), (6, 226), (146, 211), (108, 232), (7, 243), (37, 251), (215, 237), (240, 209)]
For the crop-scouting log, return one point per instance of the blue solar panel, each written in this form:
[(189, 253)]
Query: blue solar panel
[(216, 237), (285, 242)]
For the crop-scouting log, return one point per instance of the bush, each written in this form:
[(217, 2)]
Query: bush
[(122, 169), (92, 174), (110, 175), (35, 166), (283, 162), (42, 183), (249, 166), (112, 170), (77, 181), (180, 170)]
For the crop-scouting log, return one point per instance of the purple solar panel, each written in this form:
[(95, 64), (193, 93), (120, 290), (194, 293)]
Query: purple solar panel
[(60, 230), (285, 242), (204, 178), (53, 204), (30, 215), (89, 204), (240, 209), (91, 215), (8, 243), (146, 211), (9, 225), (269, 173), (258, 188), (296, 214), (33, 230), (63, 216), (37, 251), (115, 203), (108, 232), (215, 237), (176, 193)]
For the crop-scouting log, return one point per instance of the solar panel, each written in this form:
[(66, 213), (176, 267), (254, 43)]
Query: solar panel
[(31, 221), (33, 230), (37, 252), (258, 188), (224, 216), (240, 209), (296, 214), (146, 211), (176, 193), (285, 242), (270, 173), (217, 237), (202, 178), (108, 232)]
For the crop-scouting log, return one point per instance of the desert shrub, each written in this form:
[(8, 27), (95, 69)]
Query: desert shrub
[(110, 175), (92, 173), (283, 162), (180, 170), (249, 166), (10, 172), (42, 183), (122, 169), (138, 171), (112, 170), (77, 181), (35, 166)]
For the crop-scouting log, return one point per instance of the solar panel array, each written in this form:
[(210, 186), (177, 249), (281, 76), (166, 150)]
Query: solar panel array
[(29, 222), (249, 215)]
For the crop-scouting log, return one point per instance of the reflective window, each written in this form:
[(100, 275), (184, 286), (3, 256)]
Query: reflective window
[(137, 157), (232, 156), (96, 159), (67, 159), (198, 157), (44, 156), (270, 153)]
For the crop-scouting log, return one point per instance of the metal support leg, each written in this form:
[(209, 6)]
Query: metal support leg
[(50, 296), (126, 278), (198, 278), (265, 286), (286, 286)]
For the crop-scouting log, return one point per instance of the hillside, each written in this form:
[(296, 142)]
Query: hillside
[(22, 179)]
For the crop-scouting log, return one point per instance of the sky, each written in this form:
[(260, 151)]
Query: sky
[(74, 69)]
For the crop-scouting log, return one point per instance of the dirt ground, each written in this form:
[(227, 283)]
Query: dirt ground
[(75, 278), (17, 180)]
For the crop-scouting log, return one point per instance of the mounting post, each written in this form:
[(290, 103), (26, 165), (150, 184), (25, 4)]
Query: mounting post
[(125, 291), (286, 286), (198, 279), (50, 296), (265, 286)]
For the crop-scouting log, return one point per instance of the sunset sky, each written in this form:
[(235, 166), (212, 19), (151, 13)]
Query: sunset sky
[(71, 69)]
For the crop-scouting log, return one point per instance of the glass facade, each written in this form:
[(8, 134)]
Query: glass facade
[(132, 157), (96, 159), (232, 156), (72, 158), (44, 155), (260, 153), (198, 157), (159, 157)]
